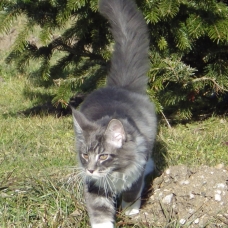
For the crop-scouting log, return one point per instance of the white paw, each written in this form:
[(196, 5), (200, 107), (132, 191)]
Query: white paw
[(103, 225), (131, 208), (131, 211)]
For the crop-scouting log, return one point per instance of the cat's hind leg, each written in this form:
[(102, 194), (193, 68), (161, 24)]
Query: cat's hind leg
[(131, 199)]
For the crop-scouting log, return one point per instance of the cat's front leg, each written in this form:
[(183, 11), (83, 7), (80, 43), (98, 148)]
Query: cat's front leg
[(100, 207)]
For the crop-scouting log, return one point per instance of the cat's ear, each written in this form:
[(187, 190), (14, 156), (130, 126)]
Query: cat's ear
[(115, 133), (82, 125)]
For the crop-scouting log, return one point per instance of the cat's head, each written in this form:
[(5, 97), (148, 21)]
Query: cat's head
[(102, 148)]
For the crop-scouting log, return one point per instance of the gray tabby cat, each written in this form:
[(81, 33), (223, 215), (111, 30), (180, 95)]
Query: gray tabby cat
[(116, 125)]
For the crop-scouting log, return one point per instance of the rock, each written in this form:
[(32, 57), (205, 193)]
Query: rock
[(167, 171), (221, 185), (218, 197), (191, 196), (167, 199), (196, 221), (182, 221)]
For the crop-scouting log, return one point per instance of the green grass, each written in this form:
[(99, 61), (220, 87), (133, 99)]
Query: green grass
[(37, 159), (199, 143)]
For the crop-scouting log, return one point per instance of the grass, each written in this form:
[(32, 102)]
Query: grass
[(37, 156), (198, 143), (37, 159)]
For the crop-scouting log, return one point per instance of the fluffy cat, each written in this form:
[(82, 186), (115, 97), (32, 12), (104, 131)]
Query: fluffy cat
[(116, 125)]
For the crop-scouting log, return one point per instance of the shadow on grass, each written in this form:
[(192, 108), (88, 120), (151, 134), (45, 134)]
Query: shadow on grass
[(48, 108), (43, 104), (42, 108), (199, 113)]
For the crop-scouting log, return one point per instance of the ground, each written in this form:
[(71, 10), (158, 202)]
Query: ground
[(188, 197)]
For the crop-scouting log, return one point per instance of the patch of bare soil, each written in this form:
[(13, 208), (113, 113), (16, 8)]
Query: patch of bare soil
[(188, 197)]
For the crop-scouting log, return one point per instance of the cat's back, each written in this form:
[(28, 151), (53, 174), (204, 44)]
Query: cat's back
[(117, 103)]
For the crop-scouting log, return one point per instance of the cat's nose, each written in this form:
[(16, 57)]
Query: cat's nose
[(91, 170)]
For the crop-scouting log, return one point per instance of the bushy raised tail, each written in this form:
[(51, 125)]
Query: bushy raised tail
[(129, 64)]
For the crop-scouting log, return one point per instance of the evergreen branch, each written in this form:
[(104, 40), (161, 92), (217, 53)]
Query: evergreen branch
[(204, 78), (169, 8), (7, 20), (20, 42), (218, 34)]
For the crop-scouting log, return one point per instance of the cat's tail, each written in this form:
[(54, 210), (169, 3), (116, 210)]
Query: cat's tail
[(129, 64)]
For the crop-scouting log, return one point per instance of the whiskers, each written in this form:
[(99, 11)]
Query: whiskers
[(109, 183), (106, 186), (112, 183), (75, 180)]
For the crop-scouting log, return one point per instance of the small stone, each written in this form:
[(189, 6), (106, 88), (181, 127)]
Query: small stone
[(191, 210), (196, 221), (220, 185), (218, 197), (217, 191), (182, 221), (168, 171), (185, 182), (167, 199), (191, 196)]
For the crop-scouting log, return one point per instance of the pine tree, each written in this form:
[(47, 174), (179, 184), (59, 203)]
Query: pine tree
[(189, 43), (189, 54)]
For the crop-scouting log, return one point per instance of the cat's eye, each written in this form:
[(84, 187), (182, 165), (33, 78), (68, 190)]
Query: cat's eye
[(103, 157), (85, 156)]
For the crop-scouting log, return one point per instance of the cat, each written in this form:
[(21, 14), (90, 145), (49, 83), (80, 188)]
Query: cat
[(116, 125)]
